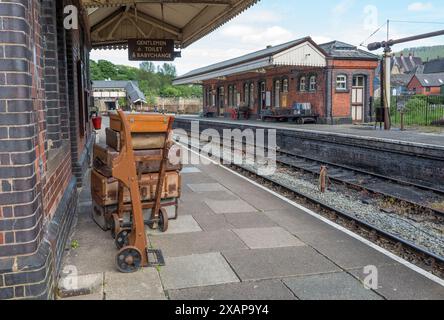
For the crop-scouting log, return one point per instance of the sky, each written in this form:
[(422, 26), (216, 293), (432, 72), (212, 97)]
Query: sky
[(271, 22)]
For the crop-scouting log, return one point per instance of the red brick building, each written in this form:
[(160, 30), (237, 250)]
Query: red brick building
[(335, 78), (426, 84)]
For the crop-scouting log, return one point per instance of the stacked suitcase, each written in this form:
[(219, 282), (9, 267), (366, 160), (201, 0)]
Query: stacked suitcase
[(106, 190)]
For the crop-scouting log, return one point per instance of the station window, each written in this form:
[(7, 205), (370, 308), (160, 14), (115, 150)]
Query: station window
[(285, 85), (302, 84), (230, 96), (277, 94), (313, 83), (251, 95), (341, 82), (246, 94)]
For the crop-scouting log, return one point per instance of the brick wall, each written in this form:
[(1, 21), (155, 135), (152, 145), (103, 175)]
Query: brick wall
[(324, 98), (38, 194), (416, 86)]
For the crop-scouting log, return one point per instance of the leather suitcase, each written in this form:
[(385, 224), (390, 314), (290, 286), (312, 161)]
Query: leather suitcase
[(104, 155), (141, 123), (141, 141), (105, 190)]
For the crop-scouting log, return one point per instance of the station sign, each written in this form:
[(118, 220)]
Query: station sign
[(151, 50)]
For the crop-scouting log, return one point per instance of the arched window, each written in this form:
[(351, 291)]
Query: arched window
[(302, 84), (312, 83), (246, 94), (277, 94), (285, 85), (251, 95)]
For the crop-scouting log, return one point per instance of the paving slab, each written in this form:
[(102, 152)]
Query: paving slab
[(142, 285), (287, 262), (230, 206), (296, 221), (397, 282), (214, 195), (71, 284), (183, 224), (193, 207), (195, 271), (190, 170), (344, 250), (184, 244), (261, 238), (233, 221), (330, 286), (250, 290), (207, 187)]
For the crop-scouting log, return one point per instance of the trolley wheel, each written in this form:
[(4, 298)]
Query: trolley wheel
[(163, 220), (122, 238), (129, 260), (115, 225)]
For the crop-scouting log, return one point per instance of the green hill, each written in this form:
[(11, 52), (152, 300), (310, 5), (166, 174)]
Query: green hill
[(425, 53)]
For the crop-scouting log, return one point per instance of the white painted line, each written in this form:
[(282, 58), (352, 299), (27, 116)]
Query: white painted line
[(405, 263)]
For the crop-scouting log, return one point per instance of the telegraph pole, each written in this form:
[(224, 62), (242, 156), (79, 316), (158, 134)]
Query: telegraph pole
[(387, 45)]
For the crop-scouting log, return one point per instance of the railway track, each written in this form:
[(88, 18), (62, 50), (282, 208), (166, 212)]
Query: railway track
[(416, 199), (400, 192)]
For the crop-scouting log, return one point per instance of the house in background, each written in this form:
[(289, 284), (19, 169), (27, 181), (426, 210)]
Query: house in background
[(403, 68), (406, 64), (434, 66), (427, 84), (108, 93)]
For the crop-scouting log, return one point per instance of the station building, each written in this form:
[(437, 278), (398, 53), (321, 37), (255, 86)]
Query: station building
[(336, 78), (108, 94), (45, 115)]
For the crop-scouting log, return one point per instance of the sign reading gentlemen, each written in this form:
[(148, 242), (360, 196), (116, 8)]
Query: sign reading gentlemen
[(151, 50)]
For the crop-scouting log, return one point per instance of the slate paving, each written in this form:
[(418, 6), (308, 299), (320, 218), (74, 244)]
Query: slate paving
[(232, 241)]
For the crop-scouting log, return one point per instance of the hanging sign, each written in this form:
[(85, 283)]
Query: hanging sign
[(151, 50)]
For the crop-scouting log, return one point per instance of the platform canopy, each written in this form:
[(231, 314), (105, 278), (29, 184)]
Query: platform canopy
[(301, 52), (113, 22)]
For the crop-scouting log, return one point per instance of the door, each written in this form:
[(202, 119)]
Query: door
[(358, 90)]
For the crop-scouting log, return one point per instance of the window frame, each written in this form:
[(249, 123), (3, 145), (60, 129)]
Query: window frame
[(276, 89), (344, 82), (285, 85), (313, 85), (303, 84)]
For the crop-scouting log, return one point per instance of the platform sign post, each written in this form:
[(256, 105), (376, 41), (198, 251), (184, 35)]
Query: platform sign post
[(151, 50)]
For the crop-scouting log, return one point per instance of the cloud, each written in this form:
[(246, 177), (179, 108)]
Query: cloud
[(420, 6), (343, 7), (256, 35)]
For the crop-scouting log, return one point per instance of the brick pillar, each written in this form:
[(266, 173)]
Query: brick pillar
[(63, 77), (51, 73), (22, 134)]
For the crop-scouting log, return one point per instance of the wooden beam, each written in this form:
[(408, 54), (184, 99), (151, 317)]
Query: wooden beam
[(108, 3)]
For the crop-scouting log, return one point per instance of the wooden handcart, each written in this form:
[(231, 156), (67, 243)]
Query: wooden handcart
[(134, 249)]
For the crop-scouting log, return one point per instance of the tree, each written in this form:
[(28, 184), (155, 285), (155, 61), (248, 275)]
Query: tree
[(152, 83), (148, 66)]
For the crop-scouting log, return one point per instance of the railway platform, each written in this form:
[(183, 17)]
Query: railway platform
[(409, 137), (236, 240)]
